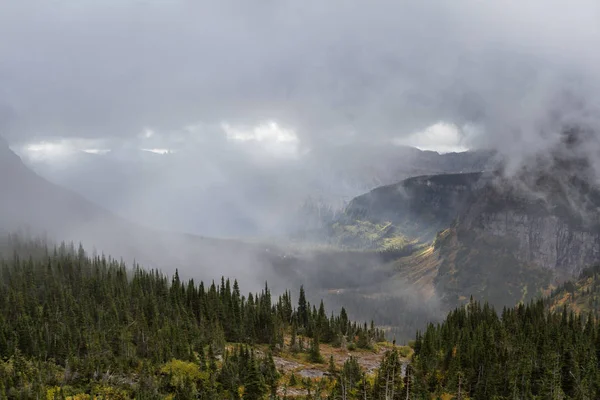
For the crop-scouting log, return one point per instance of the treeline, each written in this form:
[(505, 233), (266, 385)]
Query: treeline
[(70, 320), (581, 295), (527, 352), (76, 327)]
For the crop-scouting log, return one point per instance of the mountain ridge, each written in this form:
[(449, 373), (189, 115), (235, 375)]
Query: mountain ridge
[(32, 205), (497, 237), (236, 196)]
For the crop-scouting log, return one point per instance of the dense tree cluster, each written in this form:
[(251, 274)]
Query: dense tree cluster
[(76, 327), (69, 319), (525, 353), (388, 383)]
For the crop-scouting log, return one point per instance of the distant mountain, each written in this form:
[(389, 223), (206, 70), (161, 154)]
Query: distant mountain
[(360, 281), (537, 227), (498, 237), (32, 205), (365, 166), (417, 207), (30, 201), (224, 196)]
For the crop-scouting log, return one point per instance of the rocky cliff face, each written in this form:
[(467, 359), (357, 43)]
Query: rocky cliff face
[(500, 236), (513, 239), (550, 208), (549, 241), (551, 222)]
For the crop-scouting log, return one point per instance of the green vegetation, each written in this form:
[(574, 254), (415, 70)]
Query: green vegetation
[(417, 207), (526, 353), (581, 296), (77, 326), (363, 234)]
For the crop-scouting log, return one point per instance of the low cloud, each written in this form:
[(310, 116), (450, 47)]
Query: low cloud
[(244, 93), (334, 71)]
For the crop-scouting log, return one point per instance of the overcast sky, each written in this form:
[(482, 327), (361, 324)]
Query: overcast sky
[(244, 85), (328, 71)]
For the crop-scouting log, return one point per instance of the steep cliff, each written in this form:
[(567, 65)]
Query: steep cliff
[(514, 238), (547, 241), (554, 222), (501, 238)]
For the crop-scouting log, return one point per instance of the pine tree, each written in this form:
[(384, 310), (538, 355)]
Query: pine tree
[(303, 309), (254, 385), (315, 350), (332, 368)]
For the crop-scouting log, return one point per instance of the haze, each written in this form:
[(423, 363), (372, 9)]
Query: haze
[(222, 118)]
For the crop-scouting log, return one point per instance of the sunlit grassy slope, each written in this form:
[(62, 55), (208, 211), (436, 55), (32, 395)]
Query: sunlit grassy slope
[(580, 296)]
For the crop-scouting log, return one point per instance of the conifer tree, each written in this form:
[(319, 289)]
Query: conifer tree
[(303, 309), (315, 350)]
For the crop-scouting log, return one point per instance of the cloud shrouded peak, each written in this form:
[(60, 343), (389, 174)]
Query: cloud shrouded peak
[(209, 95)]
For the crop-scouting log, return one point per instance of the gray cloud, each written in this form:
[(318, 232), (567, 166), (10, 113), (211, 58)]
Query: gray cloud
[(509, 75), (340, 68)]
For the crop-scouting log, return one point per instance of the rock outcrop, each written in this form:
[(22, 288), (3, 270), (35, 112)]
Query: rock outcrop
[(552, 222), (548, 241)]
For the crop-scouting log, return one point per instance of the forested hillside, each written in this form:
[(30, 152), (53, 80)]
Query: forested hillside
[(72, 324), (79, 327), (526, 352)]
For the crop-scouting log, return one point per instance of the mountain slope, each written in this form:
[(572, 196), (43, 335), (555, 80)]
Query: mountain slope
[(486, 267), (73, 324), (359, 280), (523, 352), (504, 239), (417, 207), (31, 203), (227, 194), (581, 295)]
